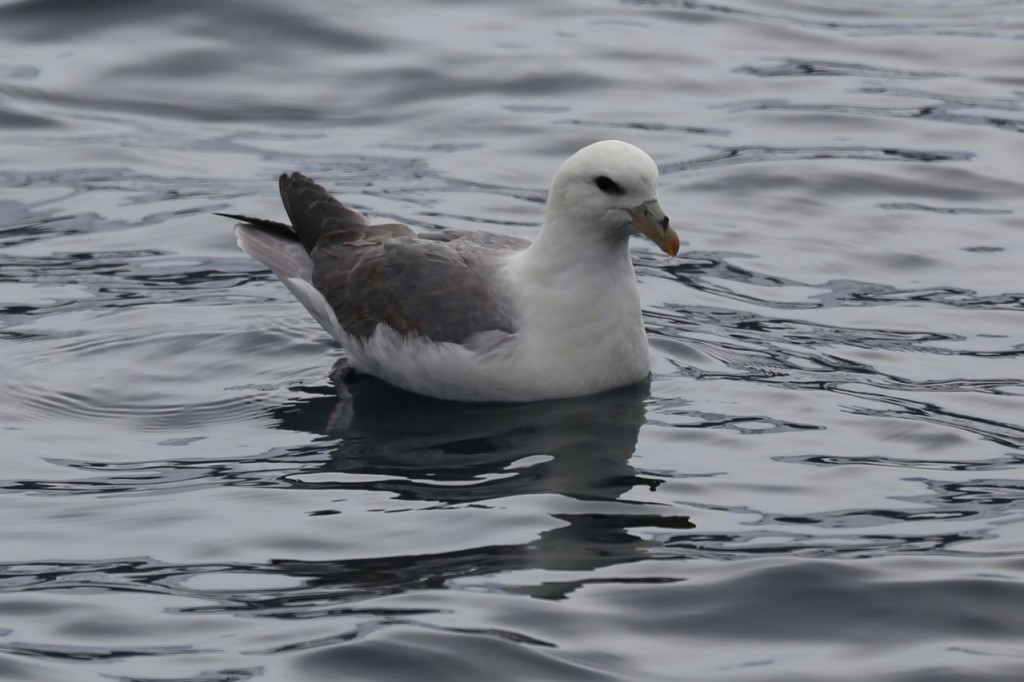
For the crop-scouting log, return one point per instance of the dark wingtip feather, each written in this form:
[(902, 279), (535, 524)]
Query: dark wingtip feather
[(268, 225)]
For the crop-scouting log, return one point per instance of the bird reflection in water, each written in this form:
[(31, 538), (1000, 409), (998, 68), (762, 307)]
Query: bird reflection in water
[(422, 449)]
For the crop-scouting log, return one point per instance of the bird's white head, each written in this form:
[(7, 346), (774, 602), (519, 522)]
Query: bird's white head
[(610, 187)]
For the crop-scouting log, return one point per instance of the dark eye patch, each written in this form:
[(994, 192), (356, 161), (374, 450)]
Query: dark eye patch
[(607, 185)]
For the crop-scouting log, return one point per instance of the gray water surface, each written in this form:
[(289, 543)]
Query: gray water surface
[(822, 480)]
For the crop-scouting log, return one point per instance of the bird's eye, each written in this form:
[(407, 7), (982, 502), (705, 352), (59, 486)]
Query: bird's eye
[(607, 185)]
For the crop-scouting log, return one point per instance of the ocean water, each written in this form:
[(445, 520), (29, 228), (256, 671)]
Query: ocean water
[(822, 481)]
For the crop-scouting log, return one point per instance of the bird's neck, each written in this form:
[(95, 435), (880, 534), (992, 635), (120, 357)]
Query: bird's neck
[(568, 274), (567, 251)]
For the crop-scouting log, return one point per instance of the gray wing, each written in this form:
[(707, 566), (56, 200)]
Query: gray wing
[(445, 285), (488, 240), (446, 290), (314, 214)]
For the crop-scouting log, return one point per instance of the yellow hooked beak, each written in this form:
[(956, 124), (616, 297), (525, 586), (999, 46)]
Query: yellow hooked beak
[(652, 222)]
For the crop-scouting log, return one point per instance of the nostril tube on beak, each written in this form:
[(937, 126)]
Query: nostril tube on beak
[(664, 223)]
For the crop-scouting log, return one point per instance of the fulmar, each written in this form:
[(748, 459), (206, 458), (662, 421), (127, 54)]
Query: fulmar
[(478, 316)]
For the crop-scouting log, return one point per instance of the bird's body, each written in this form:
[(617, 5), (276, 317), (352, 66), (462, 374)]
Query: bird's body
[(464, 315)]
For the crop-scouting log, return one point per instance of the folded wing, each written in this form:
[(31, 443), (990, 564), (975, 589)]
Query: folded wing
[(353, 275)]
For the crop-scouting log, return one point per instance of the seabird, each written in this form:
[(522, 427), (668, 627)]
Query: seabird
[(479, 316)]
